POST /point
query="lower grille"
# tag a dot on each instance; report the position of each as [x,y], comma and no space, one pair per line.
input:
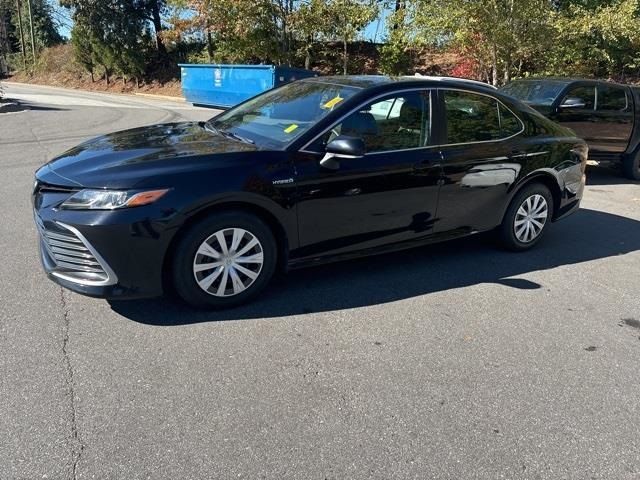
[71,256]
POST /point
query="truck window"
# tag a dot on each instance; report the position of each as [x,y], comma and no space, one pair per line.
[612,98]
[587,95]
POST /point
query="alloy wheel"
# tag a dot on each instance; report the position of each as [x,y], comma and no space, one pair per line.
[531,218]
[228,262]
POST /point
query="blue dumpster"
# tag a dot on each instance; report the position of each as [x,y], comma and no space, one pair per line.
[227,85]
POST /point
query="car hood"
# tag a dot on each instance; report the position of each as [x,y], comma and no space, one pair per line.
[127,158]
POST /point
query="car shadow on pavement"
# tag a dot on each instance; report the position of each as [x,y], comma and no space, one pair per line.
[608,176]
[13,106]
[588,235]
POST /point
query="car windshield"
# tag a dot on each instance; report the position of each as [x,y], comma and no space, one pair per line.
[277,117]
[542,92]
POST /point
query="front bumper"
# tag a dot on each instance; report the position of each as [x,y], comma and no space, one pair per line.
[106,254]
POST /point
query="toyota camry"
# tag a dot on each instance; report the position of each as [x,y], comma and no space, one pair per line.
[314,171]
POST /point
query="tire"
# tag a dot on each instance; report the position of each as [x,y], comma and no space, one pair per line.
[536,200]
[200,263]
[631,166]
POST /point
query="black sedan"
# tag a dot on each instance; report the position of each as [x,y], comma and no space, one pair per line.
[317,170]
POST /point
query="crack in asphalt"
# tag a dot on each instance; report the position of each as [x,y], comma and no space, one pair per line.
[77,446]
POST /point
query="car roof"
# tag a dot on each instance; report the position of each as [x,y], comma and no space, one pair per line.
[368,81]
[568,80]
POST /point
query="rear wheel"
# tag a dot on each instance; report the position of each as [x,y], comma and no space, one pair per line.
[527,217]
[224,260]
[631,166]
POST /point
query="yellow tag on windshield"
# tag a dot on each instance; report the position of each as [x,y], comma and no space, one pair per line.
[290,128]
[333,102]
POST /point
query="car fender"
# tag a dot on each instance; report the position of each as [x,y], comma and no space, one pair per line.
[284,214]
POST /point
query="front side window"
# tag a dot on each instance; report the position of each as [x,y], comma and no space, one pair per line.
[613,99]
[580,98]
[397,122]
[477,118]
[279,116]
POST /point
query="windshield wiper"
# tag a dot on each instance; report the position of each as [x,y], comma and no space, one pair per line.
[227,133]
[236,136]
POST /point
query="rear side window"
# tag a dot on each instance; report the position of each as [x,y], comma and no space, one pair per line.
[612,98]
[477,118]
[509,123]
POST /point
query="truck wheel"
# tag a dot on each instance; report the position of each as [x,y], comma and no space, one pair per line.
[527,218]
[224,260]
[631,166]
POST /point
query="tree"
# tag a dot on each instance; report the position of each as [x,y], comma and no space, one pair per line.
[500,35]
[311,22]
[115,32]
[596,38]
[153,12]
[83,49]
[45,27]
[394,54]
[349,18]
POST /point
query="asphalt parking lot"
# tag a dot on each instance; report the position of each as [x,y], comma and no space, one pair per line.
[454,361]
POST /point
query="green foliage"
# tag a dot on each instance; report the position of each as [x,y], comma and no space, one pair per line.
[45,28]
[500,35]
[82,48]
[597,39]
[394,54]
[270,31]
[110,33]
[493,40]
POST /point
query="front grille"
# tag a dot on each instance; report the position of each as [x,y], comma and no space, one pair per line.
[42,187]
[71,256]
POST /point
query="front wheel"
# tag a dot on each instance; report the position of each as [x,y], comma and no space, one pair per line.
[527,218]
[224,260]
[631,166]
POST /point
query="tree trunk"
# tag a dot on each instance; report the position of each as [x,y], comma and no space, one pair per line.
[307,54]
[33,37]
[209,45]
[106,75]
[157,26]
[307,59]
[92,79]
[345,59]
[24,53]
[398,6]
[508,65]
[494,65]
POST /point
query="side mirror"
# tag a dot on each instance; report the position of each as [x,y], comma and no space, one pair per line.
[573,102]
[342,147]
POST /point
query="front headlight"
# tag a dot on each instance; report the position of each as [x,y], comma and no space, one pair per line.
[111,199]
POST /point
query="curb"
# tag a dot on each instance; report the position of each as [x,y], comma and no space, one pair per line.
[159,97]
[151,96]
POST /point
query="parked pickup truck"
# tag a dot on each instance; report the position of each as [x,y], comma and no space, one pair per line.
[605,114]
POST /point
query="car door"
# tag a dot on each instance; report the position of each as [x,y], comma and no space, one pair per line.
[614,119]
[577,111]
[388,195]
[481,159]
